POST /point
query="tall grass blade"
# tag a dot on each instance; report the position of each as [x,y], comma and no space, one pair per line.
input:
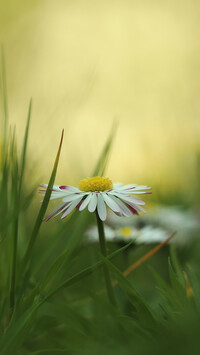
[43,208]
[23,157]
[15,214]
[103,160]
[5,106]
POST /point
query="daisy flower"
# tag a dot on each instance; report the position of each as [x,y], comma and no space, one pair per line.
[97,193]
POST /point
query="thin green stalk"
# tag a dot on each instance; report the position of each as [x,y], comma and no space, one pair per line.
[15,227]
[13,267]
[102,242]
[5,106]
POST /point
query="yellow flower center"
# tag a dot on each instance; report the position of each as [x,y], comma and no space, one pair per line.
[125,231]
[96,183]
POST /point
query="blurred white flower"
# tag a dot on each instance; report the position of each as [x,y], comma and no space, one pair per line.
[145,235]
[166,219]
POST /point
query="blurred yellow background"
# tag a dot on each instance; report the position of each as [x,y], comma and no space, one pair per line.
[85,63]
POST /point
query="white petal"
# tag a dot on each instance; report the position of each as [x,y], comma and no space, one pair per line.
[101,207]
[72,197]
[93,203]
[85,202]
[56,195]
[69,188]
[131,189]
[131,199]
[71,206]
[124,187]
[110,202]
[63,209]
[142,187]
[124,210]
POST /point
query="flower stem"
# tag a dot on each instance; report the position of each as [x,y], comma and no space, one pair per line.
[102,243]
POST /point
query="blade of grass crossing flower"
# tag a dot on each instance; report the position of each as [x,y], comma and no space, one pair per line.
[102,162]
[44,206]
[23,157]
[97,171]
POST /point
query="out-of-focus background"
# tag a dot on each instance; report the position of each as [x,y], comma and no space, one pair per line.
[87,63]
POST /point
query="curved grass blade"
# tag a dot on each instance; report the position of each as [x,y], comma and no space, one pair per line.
[143,309]
[43,208]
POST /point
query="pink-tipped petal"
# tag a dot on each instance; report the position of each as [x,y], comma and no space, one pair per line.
[71,207]
[50,215]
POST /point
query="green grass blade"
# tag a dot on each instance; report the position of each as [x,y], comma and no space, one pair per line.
[176,265]
[15,212]
[73,240]
[23,158]
[136,299]
[85,272]
[5,106]
[102,162]
[177,285]
[15,333]
[195,285]
[43,208]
